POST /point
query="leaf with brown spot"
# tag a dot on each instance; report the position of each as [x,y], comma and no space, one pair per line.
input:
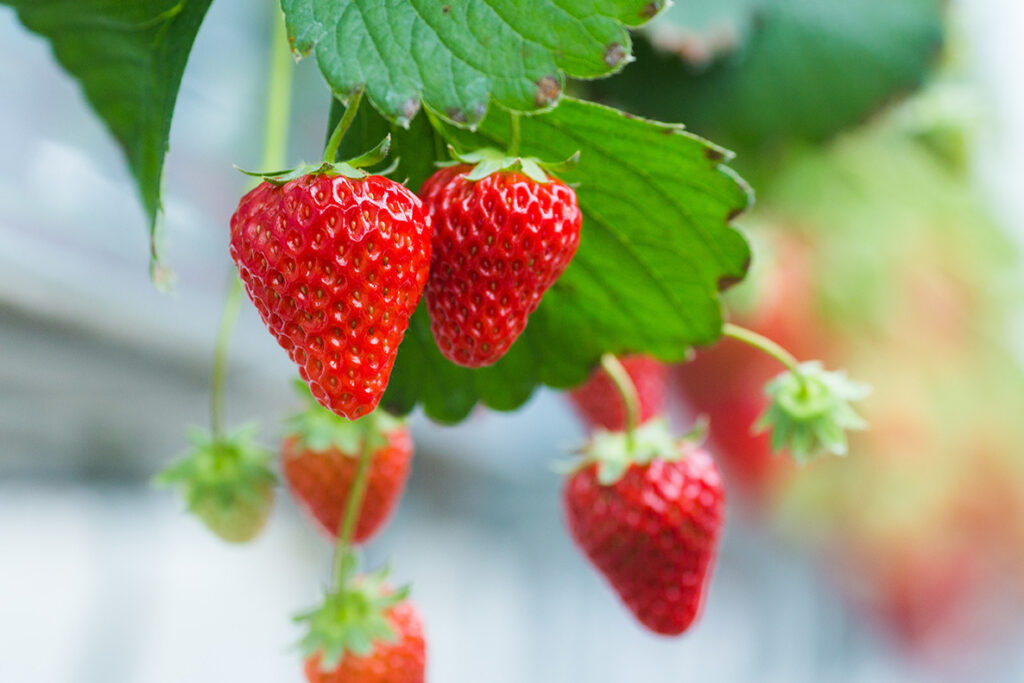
[459,57]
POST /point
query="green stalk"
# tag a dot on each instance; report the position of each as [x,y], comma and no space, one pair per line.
[279,95]
[275,145]
[765,345]
[353,508]
[515,135]
[334,142]
[627,390]
[232,304]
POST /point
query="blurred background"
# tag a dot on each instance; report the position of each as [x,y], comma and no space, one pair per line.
[887,242]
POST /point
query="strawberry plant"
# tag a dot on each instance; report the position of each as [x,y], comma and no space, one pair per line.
[478,225]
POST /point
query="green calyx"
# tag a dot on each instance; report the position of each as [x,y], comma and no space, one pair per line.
[319,429]
[351,620]
[489,160]
[810,411]
[225,474]
[349,169]
[614,453]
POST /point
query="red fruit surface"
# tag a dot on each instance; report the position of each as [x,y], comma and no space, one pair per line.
[499,243]
[653,534]
[335,267]
[402,661]
[321,480]
[599,404]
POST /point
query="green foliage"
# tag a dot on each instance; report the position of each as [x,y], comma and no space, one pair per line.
[129,58]
[799,69]
[656,246]
[655,251]
[457,56]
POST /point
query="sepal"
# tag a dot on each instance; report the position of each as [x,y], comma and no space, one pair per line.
[489,160]
[615,452]
[350,169]
[351,619]
[810,412]
[319,429]
[226,481]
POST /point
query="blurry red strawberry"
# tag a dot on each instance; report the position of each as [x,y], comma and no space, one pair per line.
[502,237]
[599,403]
[364,633]
[649,516]
[320,457]
[925,596]
[335,266]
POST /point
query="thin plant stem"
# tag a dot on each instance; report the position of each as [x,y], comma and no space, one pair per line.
[334,142]
[765,345]
[232,304]
[515,137]
[353,507]
[275,145]
[627,390]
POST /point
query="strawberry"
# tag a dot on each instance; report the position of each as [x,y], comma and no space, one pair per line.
[364,633]
[320,457]
[335,266]
[226,482]
[599,403]
[501,239]
[649,518]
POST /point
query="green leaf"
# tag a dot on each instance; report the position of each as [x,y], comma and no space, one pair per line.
[808,68]
[655,250]
[457,56]
[129,58]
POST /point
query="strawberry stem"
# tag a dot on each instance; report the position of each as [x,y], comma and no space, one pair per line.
[353,508]
[334,142]
[279,90]
[275,143]
[766,345]
[627,390]
[515,136]
[232,304]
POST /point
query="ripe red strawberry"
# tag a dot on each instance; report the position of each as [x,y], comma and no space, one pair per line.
[335,266]
[499,242]
[364,633]
[401,661]
[320,457]
[599,403]
[649,519]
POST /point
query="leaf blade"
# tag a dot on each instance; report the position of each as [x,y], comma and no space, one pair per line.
[458,57]
[655,248]
[129,59]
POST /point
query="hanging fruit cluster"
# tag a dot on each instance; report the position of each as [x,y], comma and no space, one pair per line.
[336,261]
